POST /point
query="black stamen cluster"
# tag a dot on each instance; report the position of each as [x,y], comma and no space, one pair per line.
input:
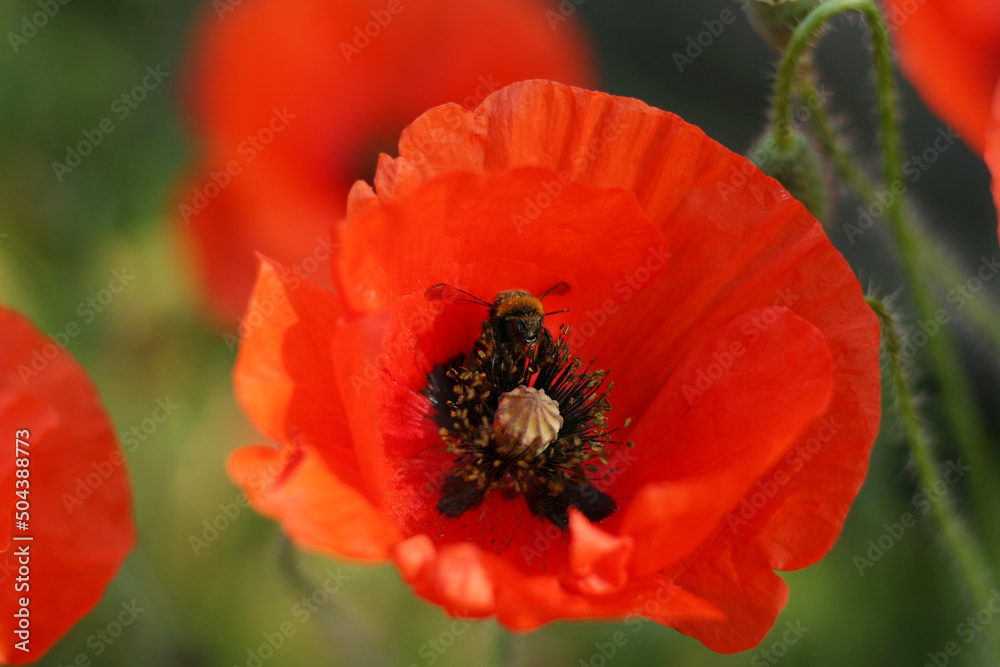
[465,394]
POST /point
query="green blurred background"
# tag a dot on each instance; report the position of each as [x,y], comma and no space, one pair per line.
[60,241]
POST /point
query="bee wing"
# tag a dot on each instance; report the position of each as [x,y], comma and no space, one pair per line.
[558,289]
[451,294]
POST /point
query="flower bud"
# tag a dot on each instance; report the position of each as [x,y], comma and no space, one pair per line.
[776,20]
[796,166]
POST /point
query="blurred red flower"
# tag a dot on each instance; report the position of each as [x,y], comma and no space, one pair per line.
[740,343]
[950,51]
[71,492]
[293,100]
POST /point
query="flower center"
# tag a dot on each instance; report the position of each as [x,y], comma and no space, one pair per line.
[526,422]
[523,420]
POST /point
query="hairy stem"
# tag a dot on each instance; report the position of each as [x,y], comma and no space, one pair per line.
[957,398]
[982,311]
[972,565]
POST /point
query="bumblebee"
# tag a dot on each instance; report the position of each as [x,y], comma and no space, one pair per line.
[469,393]
[516,316]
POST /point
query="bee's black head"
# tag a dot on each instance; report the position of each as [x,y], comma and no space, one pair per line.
[524,328]
[517,317]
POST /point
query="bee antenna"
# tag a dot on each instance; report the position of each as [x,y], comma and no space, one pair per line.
[558,288]
[555,312]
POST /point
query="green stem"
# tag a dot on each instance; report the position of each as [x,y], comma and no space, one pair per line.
[972,565]
[956,395]
[507,648]
[838,154]
[353,641]
[982,311]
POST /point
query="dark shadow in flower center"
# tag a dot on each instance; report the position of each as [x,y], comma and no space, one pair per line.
[523,421]
[384,140]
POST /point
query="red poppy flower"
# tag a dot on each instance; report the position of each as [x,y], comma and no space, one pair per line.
[66,499]
[950,51]
[740,346]
[293,99]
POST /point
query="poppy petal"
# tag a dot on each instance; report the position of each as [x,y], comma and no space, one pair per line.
[284,365]
[734,407]
[950,50]
[439,229]
[598,558]
[229,215]
[750,596]
[79,497]
[314,506]
[490,585]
